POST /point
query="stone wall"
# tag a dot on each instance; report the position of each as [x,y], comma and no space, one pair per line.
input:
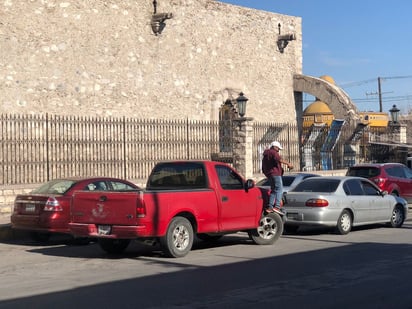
[102,58]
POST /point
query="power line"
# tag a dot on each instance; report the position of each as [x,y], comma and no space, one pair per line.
[353,84]
[379,79]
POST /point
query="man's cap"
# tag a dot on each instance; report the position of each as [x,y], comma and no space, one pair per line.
[276,144]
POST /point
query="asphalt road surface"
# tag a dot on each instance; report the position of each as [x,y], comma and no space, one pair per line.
[368,268]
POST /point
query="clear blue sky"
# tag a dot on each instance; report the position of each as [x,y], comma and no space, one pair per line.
[355,42]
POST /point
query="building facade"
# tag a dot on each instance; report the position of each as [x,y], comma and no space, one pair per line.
[104,58]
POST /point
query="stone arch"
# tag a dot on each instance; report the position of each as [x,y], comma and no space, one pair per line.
[338,101]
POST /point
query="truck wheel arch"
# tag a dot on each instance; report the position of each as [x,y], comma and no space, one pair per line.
[189,216]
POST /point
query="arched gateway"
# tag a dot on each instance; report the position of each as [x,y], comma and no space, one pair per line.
[338,101]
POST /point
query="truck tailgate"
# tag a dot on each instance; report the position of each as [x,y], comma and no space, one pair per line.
[105,207]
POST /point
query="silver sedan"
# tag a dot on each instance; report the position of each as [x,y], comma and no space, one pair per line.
[289,180]
[342,202]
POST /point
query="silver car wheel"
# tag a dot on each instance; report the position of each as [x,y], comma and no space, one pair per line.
[397,218]
[344,224]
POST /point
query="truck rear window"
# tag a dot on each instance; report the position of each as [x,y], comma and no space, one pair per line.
[176,175]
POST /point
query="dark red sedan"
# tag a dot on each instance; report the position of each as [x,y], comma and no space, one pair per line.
[46,210]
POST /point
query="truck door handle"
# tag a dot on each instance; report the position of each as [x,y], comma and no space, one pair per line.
[103,198]
[225,198]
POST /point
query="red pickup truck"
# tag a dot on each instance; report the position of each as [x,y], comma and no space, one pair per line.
[181,199]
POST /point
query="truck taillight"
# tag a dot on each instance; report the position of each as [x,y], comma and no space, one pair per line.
[52,205]
[316,202]
[140,207]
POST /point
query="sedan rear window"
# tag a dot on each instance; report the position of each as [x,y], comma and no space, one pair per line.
[287,180]
[317,184]
[58,186]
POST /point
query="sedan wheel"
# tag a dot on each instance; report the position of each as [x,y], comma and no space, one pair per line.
[397,217]
[344,225]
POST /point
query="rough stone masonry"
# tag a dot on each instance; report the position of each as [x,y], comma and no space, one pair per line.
[102,58]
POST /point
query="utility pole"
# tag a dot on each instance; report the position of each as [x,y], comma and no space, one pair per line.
[380,94]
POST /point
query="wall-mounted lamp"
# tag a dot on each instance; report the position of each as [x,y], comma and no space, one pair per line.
[241,101]
[284,39]
[158,19]
[394,113]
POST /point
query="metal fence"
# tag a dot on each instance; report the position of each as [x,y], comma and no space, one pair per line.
[37,148]
[286,134]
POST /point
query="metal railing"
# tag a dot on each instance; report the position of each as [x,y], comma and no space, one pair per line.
[36,148]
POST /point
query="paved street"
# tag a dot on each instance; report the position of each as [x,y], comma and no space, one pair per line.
[368,268]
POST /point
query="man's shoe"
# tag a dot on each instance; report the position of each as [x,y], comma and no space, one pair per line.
[269,210]
[279,211]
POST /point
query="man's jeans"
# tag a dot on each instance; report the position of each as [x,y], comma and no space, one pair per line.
[276,193]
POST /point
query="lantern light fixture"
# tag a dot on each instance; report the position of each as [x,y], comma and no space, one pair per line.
[394,113]
[241,101]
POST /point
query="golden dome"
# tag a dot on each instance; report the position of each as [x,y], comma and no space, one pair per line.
[328,79]
[317,112]
[317,107]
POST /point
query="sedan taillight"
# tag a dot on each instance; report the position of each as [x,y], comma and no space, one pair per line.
[316,202]
[52,205]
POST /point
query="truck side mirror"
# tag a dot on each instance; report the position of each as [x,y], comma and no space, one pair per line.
[249,184]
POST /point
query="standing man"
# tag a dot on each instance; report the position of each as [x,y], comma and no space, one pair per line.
[272,168]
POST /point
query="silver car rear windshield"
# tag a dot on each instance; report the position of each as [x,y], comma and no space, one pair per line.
[317,185]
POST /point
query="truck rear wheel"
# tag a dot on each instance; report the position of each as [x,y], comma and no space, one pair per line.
[178,240]
[113,246]
[269,230]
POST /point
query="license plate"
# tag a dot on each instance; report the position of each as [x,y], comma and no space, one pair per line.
[292,216]
[30,208]
[104,229]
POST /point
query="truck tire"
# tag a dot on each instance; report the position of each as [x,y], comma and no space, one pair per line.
[269,230]
[178,240]
[113,246]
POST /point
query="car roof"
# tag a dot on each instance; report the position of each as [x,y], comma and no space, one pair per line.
[300,173]
[377,164]
[80,178]
[325,178]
